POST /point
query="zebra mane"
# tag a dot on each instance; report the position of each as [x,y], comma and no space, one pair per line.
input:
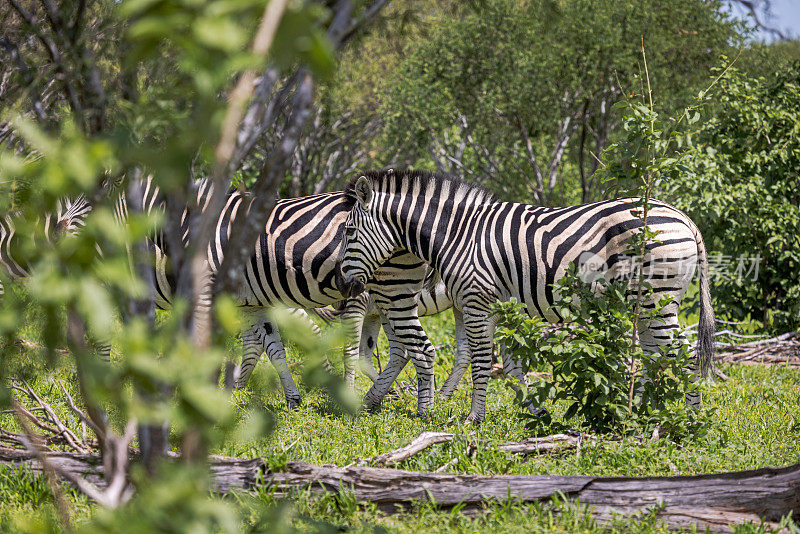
[389,179]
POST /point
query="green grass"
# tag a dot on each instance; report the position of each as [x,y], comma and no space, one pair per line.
[757,423]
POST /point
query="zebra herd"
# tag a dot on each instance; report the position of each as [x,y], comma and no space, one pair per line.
[395,246]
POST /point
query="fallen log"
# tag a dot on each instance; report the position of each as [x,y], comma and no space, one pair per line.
[779,353]
[228,473]
[716,501]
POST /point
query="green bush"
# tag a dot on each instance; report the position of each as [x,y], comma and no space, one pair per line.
[744,194]
[597,368]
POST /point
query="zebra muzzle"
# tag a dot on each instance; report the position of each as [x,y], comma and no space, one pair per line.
[352,287]
[348,285]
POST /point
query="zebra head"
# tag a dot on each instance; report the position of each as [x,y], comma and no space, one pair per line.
[367,241]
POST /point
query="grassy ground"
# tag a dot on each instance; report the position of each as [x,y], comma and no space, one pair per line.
[757,424]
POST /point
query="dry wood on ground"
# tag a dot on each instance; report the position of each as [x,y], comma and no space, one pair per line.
[783,349]
[546,444]
[714,501]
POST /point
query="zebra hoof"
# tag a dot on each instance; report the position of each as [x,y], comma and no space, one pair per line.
[425,414]
[370,406]
[473,419]
[294,403]
[538,412]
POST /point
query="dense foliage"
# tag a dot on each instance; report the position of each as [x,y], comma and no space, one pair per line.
[122,90]
[744,193]
[520,95]
[594,363]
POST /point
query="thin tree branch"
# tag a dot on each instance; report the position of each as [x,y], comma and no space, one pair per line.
[35,446]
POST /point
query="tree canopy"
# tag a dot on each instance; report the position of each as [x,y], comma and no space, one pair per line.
[520,95]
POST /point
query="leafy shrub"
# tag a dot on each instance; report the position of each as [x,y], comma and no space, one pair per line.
[744,194]
[606,378]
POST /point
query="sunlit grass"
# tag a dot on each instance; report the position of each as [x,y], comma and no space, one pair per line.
[756,425]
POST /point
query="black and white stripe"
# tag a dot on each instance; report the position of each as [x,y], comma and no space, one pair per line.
[294,265]
[68,218]
[486,250]
[362,312]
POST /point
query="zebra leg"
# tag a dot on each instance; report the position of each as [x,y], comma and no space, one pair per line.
[300,313]
[397,361]
[103,350]
[370,329]
[401,313]
[276,352]
[479,333]
[462,358]
[365,328]
[353,323]
[252,348]
[513,369]
[231,373]
[662,333]
[263,336]
[423,355]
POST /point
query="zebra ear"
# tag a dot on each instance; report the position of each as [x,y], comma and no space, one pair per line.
[363,191]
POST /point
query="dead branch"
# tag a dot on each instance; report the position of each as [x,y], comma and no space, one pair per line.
[32,345]
[547,444]
[35,446]
[53,426]
[85,420]
[422,442]
[780,350]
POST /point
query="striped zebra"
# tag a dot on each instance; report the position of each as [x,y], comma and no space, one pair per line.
[433,300]
[294,263]
[487,251]
[262,335]
[68,218]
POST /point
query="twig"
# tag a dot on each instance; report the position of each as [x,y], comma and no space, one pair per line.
[422,442]
[60,428]
[246,84]
[32,345]
[546,444]
[446,466]
[34,444]
[85,420]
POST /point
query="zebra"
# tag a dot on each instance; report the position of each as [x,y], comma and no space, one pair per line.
[294,264]
[433,300]
[486,251]
[262,336]
[68,218]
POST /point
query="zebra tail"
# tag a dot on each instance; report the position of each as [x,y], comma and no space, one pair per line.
[706,324]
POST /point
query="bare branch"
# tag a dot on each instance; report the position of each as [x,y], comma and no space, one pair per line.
[547,444]
[241,94]
[369,14]
[35,446]
[246,228]
[753,8]
[82,416]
